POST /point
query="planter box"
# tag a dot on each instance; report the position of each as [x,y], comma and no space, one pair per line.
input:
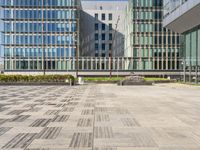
[124,83]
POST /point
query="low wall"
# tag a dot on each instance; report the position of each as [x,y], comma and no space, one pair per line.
[100,73]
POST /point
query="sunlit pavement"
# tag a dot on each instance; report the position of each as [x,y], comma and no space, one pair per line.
[100,117]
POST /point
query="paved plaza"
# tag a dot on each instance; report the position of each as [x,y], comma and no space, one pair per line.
[100,117]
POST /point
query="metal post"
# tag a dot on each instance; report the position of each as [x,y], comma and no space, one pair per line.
[43,48]
[77,50]
[196,75]
[184,71]
[44,64]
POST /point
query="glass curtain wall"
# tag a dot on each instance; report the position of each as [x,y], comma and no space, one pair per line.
[40,34]
[152,46]
[192,51]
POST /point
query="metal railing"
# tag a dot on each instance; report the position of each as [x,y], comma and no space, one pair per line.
[92,63]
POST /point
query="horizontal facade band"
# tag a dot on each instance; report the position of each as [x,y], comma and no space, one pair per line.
[38,19]
[40,7]
[39,45]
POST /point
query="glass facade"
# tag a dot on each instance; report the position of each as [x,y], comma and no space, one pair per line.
[152,46]
[192,48]
[40,34]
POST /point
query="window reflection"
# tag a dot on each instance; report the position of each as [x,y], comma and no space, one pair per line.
[41,28]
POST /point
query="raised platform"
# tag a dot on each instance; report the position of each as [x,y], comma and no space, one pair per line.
[134,80]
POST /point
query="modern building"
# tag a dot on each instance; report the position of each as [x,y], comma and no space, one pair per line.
[99,35]
[183,16]
[151,46]
[72,35]
[40,34]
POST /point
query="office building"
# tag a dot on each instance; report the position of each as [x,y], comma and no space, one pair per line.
[99,35]
[149,45]
[183,16]
[40,34]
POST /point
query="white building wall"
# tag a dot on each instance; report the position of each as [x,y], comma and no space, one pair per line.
[181,15]
[89,9]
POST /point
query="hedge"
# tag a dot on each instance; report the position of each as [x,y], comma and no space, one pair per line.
[36,78]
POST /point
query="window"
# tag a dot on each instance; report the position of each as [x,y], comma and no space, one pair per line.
[103,55]
[103,46]
[96,37]
[160,40]
[169,40]
[96,46]
[156,41]
[103,36]
[110,26]
[103,17]
[173,39]
[109,16]
[103,27]
[110,46]
[160,27]
[110,36]
[96,26]
[96,16]
[96,54]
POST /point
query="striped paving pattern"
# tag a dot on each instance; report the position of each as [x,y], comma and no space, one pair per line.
[49,133]
[81,140]
[22,140]
[99,117]
[4,130]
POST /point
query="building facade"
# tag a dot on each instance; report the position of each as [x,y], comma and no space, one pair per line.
[40,34]
[183,16]
[99,35]
[151,46]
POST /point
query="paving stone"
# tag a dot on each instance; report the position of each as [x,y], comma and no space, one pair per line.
[103,132]
[81,140]
[85,122]
[49,133]
[40,123]
[60,118]
[100,117]
[22,140]
[87,112]
[20,118]
[4,130]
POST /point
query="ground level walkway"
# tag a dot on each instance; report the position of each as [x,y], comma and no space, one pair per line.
[100,117]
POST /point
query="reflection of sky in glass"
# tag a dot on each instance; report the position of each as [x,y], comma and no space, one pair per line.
[32,31]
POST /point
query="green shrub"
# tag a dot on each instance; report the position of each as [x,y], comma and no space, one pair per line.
[94,79]
[36,78]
